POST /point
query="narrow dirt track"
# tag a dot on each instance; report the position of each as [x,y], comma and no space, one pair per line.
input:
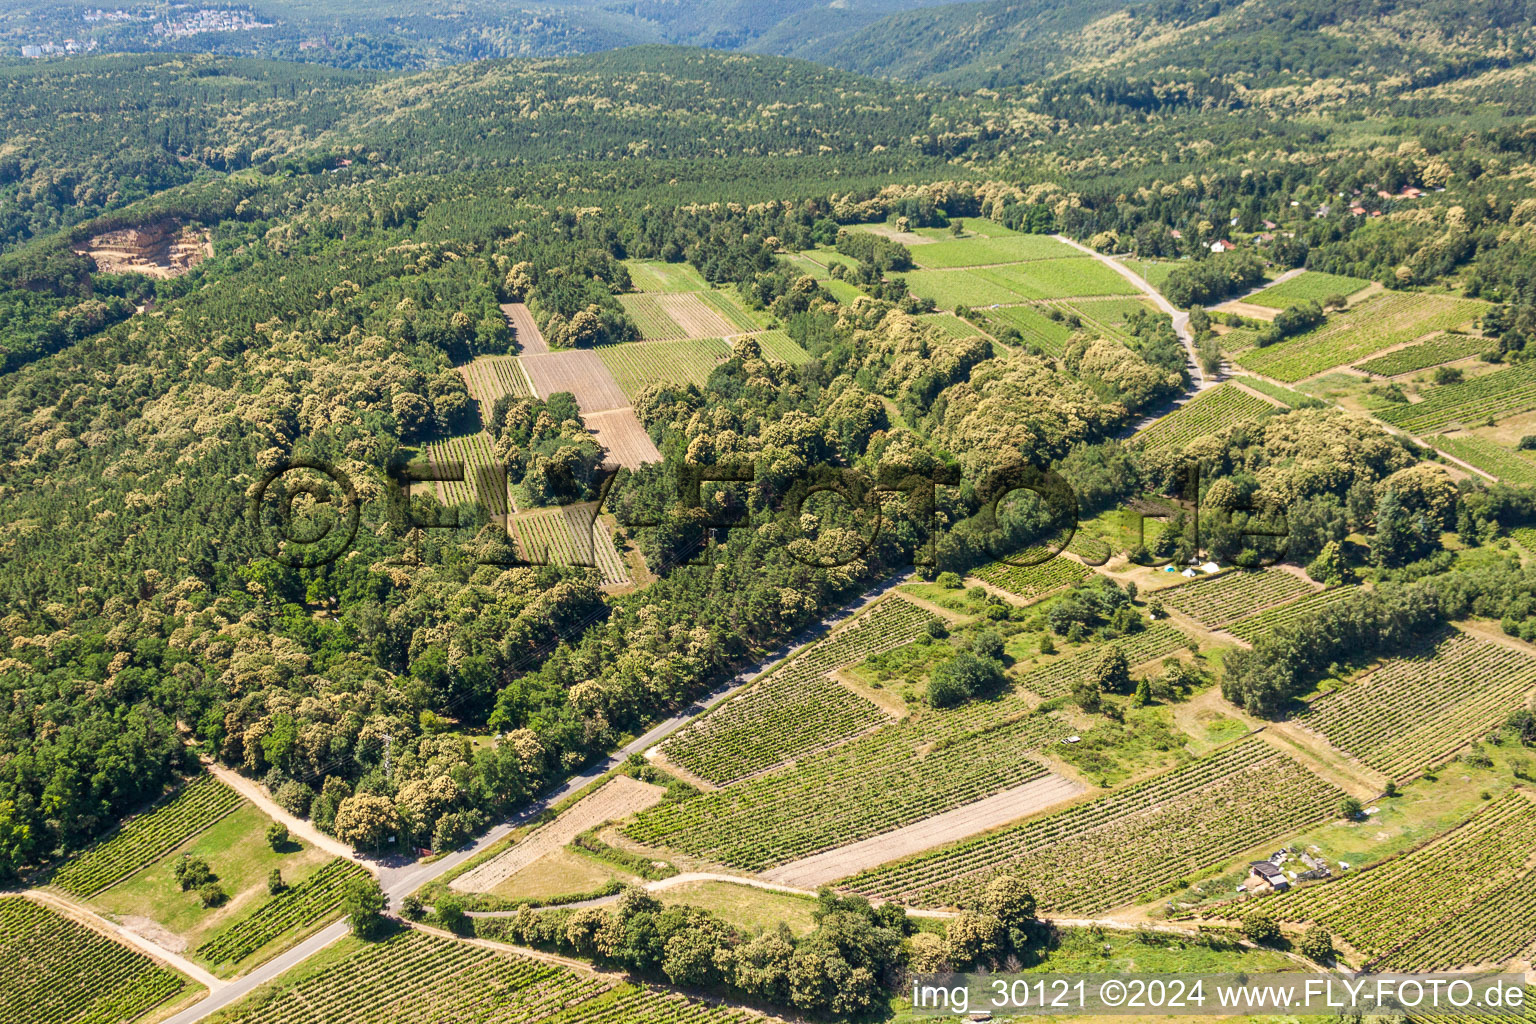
[999,809]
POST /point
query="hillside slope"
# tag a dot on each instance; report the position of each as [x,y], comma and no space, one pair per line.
[1254,45]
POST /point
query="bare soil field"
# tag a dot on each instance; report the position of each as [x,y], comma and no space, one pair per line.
[1009,805]
[904,237]
[695,318]
[529,340]
[1247,309]
[620,432]
[619,797]
[580,372]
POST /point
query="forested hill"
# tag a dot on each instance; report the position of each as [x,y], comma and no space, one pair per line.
[355,34]
[98,133]
[1260,50]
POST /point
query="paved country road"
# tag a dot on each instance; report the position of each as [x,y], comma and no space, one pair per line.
[399,882]
[1180,317]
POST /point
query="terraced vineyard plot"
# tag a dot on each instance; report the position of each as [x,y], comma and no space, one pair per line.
[728,307]
[1059,278]
[294,909]
[654,322]
[415,978]
[666,278]
[145,839]
[1271,619]
[631,1004]
[490,377]
[1416,710]
[904,772]
[60,972]
[1424,910]
[1238,340]
[779,345]
[1032,581]
[842,291]
[978,252]
[1215,601]
[637,365]
[1311,286]
[1106,317]
[551,535]
[952,325]
[1495,930]
[1490,457]
[1056,678]
[1472,402]
[1037,329]
[950,288]
[1205,415]
[797,708]
[1442,348]
[698,318]
[484,479]
[1287,397]
[805,265]
[1376,323]
[1119,847]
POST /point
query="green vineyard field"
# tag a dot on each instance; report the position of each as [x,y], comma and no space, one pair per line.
[1058,278]
[796,708]
[1124,845]
[291,911]
[979,252]
[1490,457]
[550,536]
[1255,626]
[1216,601]
[1438,906]
[1311,286]
[1205,415]
[1033,581]
[1057,677]
[60,972]
[1050,336]
[950,288]
[951,325]
[1472,402]
[637,365]
[1287,397]
[145,839]
[1376,323]
[901,773]
[733,311]
[653,321]
[1419,709]
[484,478]
[490,377]
[779,345]
[1105,317]
[1442,348]
[666,278]
[415,978]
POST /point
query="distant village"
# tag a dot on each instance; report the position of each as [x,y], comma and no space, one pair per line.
[161,24]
